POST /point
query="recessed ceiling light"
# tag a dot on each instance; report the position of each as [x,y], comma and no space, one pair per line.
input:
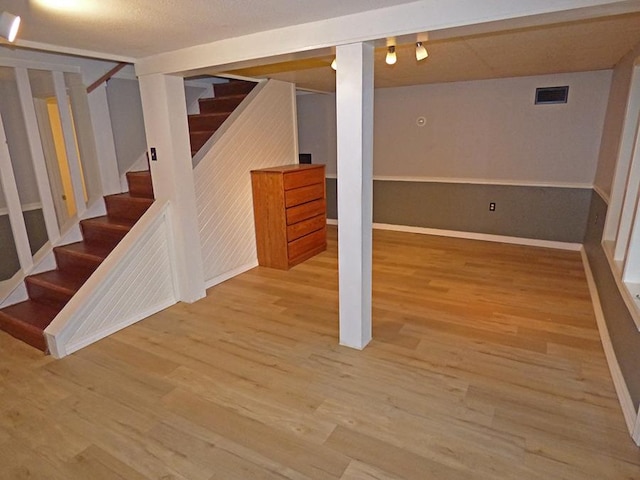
[67,5]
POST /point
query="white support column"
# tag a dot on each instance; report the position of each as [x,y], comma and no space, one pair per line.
[37,155]
[354,108]
[165,118]
[70,142]
[105,146]
[16,219]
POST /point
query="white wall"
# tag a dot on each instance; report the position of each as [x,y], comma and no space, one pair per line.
[481,130]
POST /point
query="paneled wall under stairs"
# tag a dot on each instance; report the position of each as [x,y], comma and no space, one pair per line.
[263,134]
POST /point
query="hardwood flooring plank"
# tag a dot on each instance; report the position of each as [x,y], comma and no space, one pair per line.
[306,457]
[486,363]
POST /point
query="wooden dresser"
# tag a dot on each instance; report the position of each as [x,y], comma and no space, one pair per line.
[289,209]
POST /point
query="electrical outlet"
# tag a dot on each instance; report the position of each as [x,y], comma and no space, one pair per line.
[492,206]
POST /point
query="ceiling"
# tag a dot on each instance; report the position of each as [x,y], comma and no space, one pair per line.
[569,47]
[139,28]
[135,29]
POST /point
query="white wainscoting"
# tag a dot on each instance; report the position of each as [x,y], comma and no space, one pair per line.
[135,281]
[262,134]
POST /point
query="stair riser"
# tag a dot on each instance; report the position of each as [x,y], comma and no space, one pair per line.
[198,139]
[124,207]
[232,88]
[220,104]
[201,123]
[46,295]
[100,235]
[29,335]
[70,262]
[140,186]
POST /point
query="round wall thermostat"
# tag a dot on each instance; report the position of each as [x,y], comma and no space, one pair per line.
[421,121]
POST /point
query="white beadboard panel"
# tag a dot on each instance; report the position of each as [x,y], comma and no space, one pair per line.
[262,135]
[135,281]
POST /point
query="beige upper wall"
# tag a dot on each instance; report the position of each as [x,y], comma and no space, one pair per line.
[614,121]
[486,130]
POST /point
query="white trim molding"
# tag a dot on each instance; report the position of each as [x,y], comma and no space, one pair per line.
[485,237]
[624,397]
[474,181]
[602,194]
[632,303]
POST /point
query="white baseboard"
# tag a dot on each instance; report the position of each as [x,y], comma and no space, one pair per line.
[624,397]
[230,274]
[486,237]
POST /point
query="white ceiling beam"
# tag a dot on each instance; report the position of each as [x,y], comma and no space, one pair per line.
[421,16]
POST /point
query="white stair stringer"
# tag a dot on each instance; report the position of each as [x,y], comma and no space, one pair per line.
[261,134]
[132,283]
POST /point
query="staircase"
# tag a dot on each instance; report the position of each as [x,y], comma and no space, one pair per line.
[214,111]
[50,291]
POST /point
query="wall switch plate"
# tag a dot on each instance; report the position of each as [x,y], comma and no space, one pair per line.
[154,156]
[492,206]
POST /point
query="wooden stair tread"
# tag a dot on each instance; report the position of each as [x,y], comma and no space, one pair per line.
[140,174]
[209,115]
[111,223]
[27,321]
[59,280]
[93,251]
[31,313]
[133,198]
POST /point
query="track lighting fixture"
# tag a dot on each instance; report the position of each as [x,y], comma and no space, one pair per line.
[421,51]
[9,26]
[391,55]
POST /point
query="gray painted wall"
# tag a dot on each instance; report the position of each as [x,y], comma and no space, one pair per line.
[622,329]
[36,229]
[487,131]
[544,213]
[127,123]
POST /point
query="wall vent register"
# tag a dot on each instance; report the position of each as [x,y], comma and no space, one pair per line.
[552,95]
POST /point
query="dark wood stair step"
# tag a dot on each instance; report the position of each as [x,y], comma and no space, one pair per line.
[124,205]
[27,321]
[105,230]
[55,287]
[80,256]
[226,104]
[198,139]
[140,184]
[234,87]
[207,122]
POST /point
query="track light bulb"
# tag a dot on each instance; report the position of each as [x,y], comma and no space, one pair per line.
[421,51]
[9,25]
[334,65]
[391,55]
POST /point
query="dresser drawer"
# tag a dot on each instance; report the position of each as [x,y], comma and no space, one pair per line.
[305,211]
[303,194]
[305,227]
[302,178]
[309,243]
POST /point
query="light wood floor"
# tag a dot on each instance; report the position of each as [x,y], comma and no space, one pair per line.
[486,364]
